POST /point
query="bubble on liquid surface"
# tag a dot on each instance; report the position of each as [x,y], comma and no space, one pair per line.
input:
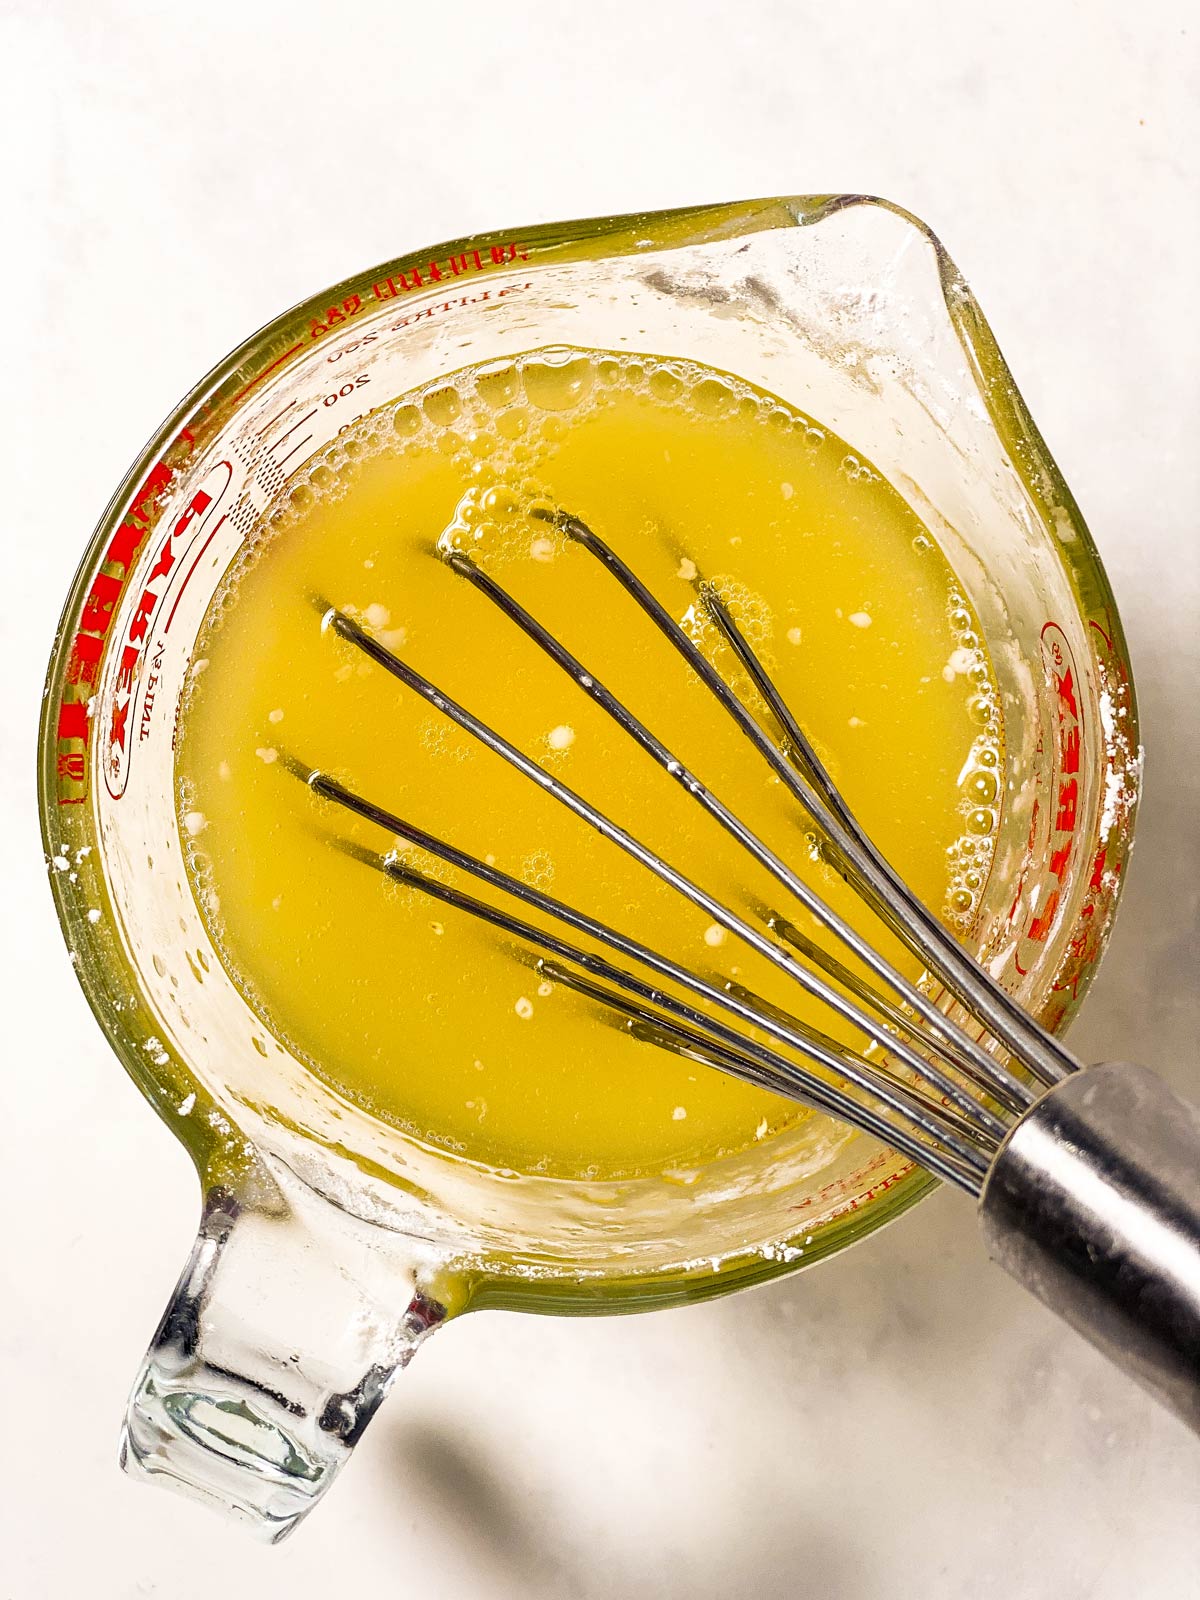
[665,385]
[443,406]
[982,786]
[499,386]
[502,500]
[970,857]
[537,869]
[512,425]
[407,421]
[752,615]
[558,385]
[712,397]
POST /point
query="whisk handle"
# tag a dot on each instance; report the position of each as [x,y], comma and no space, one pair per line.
[1093,1204]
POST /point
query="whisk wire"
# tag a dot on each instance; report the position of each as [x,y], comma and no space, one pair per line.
[930,1115]
[874,1029]
[780,1075]
[984,1065]
[663,1031]
[891,1013]
[908,919]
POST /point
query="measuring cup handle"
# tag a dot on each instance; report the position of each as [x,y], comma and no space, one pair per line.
[282,1337]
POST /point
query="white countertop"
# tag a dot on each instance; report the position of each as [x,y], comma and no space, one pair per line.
[901,1421]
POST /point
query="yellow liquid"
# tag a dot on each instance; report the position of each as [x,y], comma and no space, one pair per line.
[417,1011]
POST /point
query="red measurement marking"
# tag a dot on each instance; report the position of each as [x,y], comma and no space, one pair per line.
[294,426]
[840,1187]
[83,661]
[1062,814]
[485,259]
[1107,637]
[307,439]
[112,572]
[130,688]
[1063,828]
[267,426]
[254,382]
[188,575]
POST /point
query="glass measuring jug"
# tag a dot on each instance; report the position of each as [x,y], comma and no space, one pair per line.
[330,1243]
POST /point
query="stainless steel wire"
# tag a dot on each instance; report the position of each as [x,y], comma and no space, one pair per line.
[932,1089]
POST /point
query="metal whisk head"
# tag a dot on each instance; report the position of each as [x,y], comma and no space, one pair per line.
[936,1094]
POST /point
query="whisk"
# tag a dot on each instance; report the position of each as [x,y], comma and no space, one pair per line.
[1088,1183]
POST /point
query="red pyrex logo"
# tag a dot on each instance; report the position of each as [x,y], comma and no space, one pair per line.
[127,716]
